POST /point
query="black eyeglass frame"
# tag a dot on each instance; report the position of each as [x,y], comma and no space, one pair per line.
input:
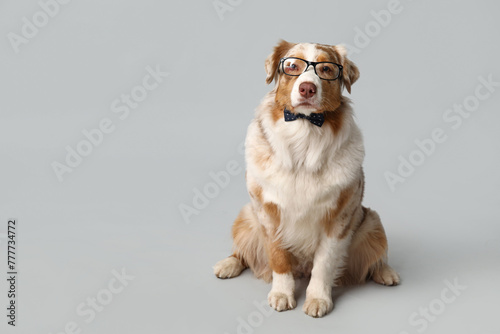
[309,63]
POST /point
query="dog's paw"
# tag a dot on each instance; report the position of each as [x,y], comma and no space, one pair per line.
[228,268]
[386,276]
[317,307]
[280,301]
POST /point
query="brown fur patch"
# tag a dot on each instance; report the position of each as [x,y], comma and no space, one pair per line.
[334,119]
[283,93]
[277,112]
[273,212]
[350,72]
[272,61]
[329,54]
[331,221]
[325,57]
[280,260]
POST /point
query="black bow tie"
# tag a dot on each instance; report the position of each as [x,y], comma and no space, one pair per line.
[315,118]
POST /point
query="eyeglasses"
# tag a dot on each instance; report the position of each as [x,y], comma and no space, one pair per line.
[324,70]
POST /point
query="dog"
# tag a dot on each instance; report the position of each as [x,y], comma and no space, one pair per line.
[304,175]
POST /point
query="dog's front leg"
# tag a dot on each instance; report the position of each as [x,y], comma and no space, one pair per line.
[327,266]
[281,297]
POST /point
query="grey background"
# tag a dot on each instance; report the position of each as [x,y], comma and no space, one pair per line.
[120,207]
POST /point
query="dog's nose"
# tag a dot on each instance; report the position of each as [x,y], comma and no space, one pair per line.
[307,89]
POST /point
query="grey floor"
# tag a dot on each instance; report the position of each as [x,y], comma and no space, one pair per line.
[118,212]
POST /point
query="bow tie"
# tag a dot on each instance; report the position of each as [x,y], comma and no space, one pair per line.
[315,118]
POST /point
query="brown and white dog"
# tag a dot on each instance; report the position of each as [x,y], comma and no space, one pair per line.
[306,185]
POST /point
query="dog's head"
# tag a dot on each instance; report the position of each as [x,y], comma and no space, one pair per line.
[310,77]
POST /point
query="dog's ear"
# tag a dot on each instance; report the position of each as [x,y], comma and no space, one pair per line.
[350,72]
[273,60]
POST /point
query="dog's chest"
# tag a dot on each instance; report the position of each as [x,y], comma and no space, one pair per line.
[309,174]
[304,147]
[308,169]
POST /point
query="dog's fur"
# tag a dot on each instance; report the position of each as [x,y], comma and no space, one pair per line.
[306,186]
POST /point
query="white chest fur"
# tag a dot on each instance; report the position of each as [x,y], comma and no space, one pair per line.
[308,169]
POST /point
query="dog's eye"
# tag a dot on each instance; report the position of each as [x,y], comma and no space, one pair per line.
[328,71]
[294,66]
